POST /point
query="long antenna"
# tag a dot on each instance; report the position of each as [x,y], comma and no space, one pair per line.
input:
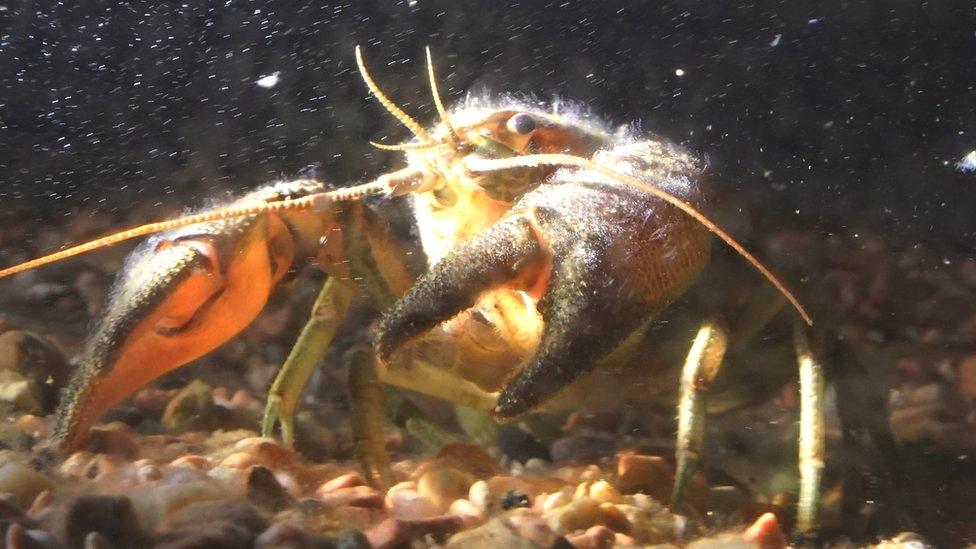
[304,203]
[408,146]
[534,160]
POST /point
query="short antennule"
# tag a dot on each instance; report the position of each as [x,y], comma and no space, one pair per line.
[445,117]
[389,105]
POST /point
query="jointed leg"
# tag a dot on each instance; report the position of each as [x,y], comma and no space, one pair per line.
[367,417]
[701,366]
[413,373]
[327,314]
[811,458]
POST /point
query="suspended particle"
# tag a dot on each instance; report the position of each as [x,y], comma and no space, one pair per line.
[269,81]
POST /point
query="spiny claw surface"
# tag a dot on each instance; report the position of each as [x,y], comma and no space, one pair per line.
[603,257]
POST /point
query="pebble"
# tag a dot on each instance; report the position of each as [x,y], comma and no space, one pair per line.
[408,504]
[95,540]
[286,536]
[597,537]
[35,426]
[531,527]
[264,490]
[213,535]
[479,495]
[18,537]
[76,464]
[146,471]
[22,483]
[766,532]
[350,538]
[354,517]
[497,532]
[604,492]
[464,457]
[112,516]
[260,451]
[471,515]
[199,516]
[182,475]
[652,475]
[41,504]
[442,486]
[9,510]
[547,502]
[354,496]
[347,480]
[488,495]
[724,541]
[648,520]
[152,400]
[966,377]
[192,409]
[20,391]
[114,438]
[230,478]
[290,484]
[156,504]
[394,532]
[14,438]
[578,514]
[37,360]
[201,463]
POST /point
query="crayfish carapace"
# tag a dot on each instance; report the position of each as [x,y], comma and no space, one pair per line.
[551,243]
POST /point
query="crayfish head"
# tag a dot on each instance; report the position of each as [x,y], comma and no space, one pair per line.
[517,131]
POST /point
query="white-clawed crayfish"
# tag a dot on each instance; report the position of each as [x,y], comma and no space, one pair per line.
[551,243]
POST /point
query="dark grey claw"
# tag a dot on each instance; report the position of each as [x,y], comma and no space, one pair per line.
[453,284]
[582,325]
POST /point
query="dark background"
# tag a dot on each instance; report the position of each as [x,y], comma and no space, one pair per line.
[853,121]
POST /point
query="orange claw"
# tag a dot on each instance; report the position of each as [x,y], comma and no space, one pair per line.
[186,294]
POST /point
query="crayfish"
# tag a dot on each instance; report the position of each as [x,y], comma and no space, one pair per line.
[551,244]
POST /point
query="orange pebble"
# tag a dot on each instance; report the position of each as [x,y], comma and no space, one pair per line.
[766,532]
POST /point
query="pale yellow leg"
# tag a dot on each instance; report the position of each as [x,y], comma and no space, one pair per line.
[327,313]
[701,366]
[812,437]
[415,374]
[367,417]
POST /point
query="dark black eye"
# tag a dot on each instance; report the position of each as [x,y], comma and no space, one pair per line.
[522,124]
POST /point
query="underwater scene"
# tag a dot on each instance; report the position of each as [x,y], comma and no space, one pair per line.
[433,273]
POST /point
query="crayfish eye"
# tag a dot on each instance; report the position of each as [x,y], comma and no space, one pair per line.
[521,123]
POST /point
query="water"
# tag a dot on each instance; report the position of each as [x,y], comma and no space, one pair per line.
[838,138]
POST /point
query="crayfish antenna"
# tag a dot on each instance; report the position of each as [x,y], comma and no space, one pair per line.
[535,160]
[388,104]
[304,203]
[445,117]
[407,146]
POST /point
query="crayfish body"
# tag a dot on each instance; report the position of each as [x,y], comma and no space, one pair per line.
[551,244]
